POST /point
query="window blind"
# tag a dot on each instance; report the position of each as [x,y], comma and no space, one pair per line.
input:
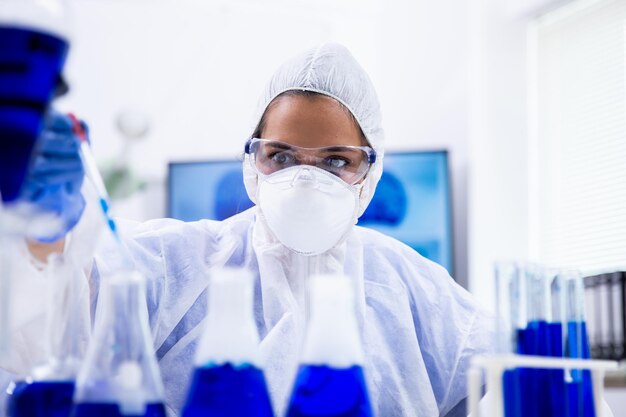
[580,145]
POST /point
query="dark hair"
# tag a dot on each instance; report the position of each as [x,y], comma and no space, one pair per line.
[303,93]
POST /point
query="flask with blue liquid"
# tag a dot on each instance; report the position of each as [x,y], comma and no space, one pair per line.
[228,379]
[48,389]
[120,376]
[33,48]
[330,381]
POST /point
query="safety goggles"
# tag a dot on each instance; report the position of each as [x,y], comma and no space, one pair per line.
[350,163]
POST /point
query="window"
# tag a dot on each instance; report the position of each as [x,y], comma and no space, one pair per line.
[579,170]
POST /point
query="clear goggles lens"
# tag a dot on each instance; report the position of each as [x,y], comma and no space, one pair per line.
[350,163]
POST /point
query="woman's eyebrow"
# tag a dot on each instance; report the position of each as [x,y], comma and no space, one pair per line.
[278,145]
[335,149]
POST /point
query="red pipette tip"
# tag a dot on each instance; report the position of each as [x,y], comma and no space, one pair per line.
[77,127]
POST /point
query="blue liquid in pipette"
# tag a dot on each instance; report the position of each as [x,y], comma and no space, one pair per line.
[322,391]
[580,390]
[30,66]
[227,390]
[41,399]
[113,410]
[110,222]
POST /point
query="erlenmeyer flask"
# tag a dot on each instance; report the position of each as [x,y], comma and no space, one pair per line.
[48,390]
[33,48]
[120,376]
[330,379]
[228,380]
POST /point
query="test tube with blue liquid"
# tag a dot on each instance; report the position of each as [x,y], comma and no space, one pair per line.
[529,302]
[330,381]
[580,392]
[510,317]
[228,379]
[557,333]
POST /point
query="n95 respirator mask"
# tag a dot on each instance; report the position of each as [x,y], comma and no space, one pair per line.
[308,209]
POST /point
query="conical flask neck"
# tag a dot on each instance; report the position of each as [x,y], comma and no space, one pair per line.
[125,310]
[230,334]
[332,336]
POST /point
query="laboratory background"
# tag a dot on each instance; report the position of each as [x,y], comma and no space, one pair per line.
[505,123]
[528,98]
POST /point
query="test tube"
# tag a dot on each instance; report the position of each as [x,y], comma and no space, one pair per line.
[510,316]
[579,387]
[510,322]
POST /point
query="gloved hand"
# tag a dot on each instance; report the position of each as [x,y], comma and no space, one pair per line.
[56,175]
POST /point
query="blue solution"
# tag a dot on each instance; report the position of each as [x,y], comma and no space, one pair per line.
[580,390]
[531,392]
[30,68]
[227,390]
[41,399]
[113,410]
[512,393]
[322,391]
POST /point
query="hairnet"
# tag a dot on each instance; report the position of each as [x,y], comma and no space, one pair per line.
[330,69]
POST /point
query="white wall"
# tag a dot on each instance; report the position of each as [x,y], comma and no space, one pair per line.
[197,67]
[499,201]
[498,186]
[424,92]
[450,74]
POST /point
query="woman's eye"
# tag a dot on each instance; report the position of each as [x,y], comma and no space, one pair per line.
[282,158]
[336,162]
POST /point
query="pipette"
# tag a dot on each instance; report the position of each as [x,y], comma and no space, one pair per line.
[91,169]
[89,163]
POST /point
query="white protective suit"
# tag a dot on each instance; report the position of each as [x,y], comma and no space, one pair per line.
[419,328]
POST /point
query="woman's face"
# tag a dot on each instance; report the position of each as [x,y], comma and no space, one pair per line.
[311,122]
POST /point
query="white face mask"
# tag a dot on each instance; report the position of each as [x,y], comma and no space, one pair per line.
[308,209]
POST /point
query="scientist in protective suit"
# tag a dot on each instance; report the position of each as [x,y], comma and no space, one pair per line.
[311,167]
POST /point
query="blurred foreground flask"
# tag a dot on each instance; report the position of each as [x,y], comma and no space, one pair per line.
[48,390]
[228,379]
[120,376]
[330,380]
[33,48]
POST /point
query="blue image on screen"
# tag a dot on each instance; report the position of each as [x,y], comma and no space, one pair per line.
[411,203]
[206,190]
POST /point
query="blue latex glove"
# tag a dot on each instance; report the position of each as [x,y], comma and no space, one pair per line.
[56,175]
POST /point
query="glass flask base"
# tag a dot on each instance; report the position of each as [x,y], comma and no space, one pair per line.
[322,391]
[41,399]
[228,390]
